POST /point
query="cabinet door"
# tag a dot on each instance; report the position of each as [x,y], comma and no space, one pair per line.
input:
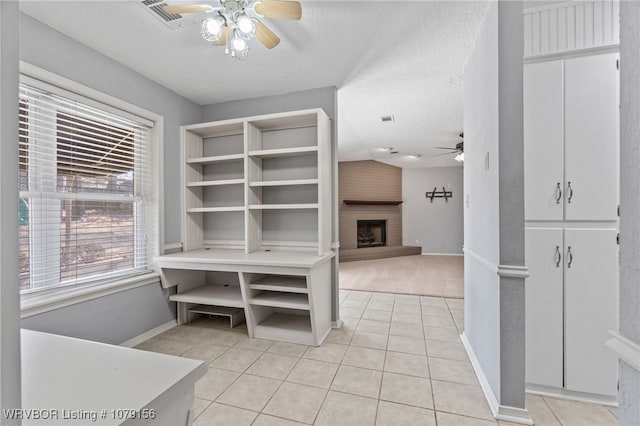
[543,306]
[591,310]
[543,138]
[591,138]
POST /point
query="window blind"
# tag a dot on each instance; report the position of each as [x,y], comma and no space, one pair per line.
[82,185]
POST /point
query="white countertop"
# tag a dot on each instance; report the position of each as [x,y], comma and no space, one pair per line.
[82,377]
[284,258]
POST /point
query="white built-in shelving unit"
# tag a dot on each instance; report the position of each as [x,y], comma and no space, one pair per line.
[257,224]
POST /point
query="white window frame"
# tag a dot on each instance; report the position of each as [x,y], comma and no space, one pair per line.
[59,296]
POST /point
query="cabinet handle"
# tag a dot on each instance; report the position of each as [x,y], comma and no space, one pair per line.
[570,257]
[570,189]
[559,257]
[558,193]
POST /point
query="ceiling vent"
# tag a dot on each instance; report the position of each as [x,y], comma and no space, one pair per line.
[387,118]
[173,21]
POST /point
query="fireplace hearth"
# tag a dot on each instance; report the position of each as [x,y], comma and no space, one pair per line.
[372,233]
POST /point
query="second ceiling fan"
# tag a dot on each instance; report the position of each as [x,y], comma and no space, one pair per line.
[233,23]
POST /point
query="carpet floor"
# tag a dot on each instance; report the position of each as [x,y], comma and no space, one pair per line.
[424,275]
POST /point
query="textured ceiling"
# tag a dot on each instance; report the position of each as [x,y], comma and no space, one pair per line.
[398,58]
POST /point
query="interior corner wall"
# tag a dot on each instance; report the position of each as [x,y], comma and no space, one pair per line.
[629,392]
[438,226]
[124,315]
[481,204]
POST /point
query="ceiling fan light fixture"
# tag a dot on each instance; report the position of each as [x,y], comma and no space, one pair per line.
[237,46]
[245,25]
[212,28]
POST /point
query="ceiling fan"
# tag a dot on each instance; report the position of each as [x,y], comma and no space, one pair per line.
[458,149]
[233,23]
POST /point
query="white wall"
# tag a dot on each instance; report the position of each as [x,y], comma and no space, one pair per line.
[494,211]
[437,226]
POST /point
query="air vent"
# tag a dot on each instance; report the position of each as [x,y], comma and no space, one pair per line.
[387,118]
[173,21]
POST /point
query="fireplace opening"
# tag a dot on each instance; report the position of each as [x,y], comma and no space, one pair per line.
[372,233]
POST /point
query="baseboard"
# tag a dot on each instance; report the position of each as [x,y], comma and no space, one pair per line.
[442,254]
[336,324]
[149,334]
[500,412]
[589,398]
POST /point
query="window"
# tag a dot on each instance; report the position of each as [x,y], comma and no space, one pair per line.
[84,189]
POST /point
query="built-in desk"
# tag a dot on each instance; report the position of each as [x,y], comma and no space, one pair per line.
[71,381]
[285,294]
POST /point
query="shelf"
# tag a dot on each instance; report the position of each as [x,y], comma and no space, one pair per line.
[285,182]
[284,152]
[287,284]
[214,310]
[281,300]
[282,206]
[217,182]
[286,328]
[215,209]
[213,294]
[215,159]
[371,203]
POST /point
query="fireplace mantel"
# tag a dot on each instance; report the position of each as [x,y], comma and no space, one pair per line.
[371,203]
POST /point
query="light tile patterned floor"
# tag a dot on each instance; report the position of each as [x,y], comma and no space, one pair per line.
[397,360]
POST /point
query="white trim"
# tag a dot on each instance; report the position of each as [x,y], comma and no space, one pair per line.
[35,303]
[486,262]
[442,254]
[627,350]
[560,393]
[56,80]
[499,412]
[135,341]
[172,246]
[510,271]
[513,271]
[336,324]
[576,53]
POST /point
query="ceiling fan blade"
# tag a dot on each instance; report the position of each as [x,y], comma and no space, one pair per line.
[266,36]
[222,41]
[280,9]
[188,8]
[443,147]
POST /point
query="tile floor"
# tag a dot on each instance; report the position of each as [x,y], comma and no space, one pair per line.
[397,360]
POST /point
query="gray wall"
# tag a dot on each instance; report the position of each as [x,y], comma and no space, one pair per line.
[324,98]
[494,204]
[629,394]
[437,226]
[9,297]
[119,317]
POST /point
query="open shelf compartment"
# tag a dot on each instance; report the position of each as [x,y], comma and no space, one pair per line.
[211,294]
[281,283]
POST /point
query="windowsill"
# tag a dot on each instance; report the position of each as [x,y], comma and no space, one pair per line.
[35,304]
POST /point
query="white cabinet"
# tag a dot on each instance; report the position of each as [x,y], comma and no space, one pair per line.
[571,139]
[591,138]
[257,225]
[258,183]
[571,304]
[544,306]
[591,310]
[571,197]
[543,135]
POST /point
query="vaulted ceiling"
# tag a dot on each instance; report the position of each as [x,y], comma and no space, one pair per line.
[399,58]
